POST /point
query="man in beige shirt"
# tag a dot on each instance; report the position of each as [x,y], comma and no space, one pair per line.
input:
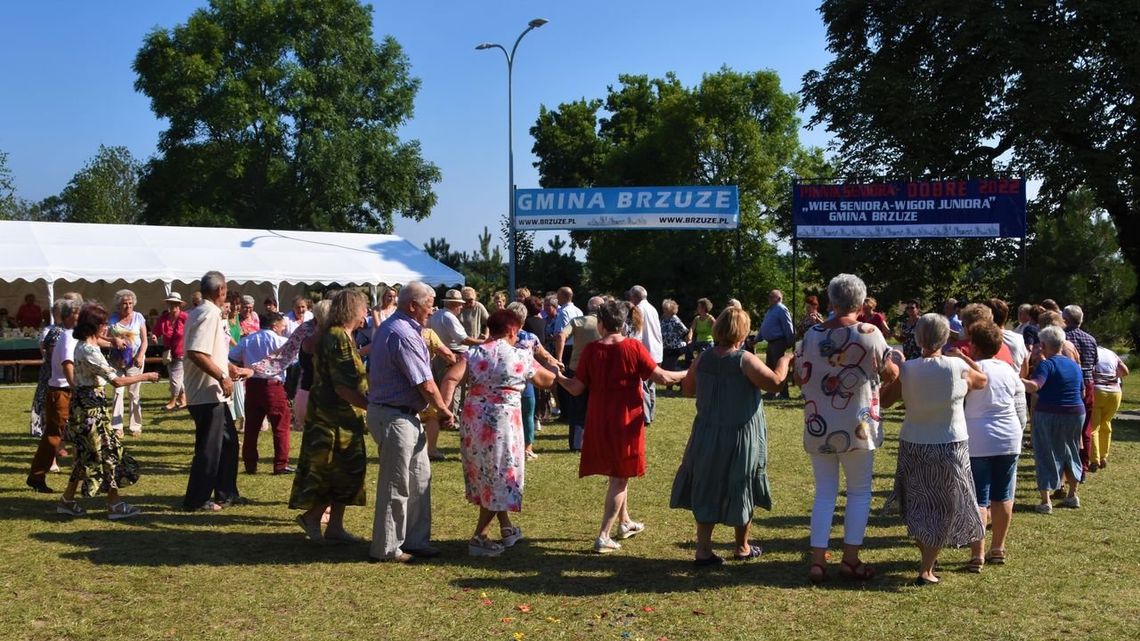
[209,382]
[580,331]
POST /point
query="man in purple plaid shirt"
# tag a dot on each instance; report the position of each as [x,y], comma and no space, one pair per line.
[1086,348]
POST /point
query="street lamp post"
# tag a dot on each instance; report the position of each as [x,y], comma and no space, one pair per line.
[533,24]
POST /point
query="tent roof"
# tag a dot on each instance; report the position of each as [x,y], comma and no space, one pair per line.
[77,251]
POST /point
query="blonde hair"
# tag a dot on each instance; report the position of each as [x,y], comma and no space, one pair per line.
[321,313]
[636,321]
[669,306]
[346,305]
[1050,318]
[731,327]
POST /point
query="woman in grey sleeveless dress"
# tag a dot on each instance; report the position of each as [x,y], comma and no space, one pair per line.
[723,475]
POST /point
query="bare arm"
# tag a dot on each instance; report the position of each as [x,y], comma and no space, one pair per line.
[69,372]
[572,385]
[543,378]
[140,358]
[352,396]
[559,346]
[123,381]
[450,382]
[1121,369]
[546,358]
[759,375]
[689,384]
[431,394]
[975,378]
[663,377]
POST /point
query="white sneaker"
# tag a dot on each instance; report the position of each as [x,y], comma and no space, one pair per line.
[531,455]
[538,426]
[1043,508]
[631,529]
[54,467]
[511,535]
[482,546]
[605,545]
[1073,501]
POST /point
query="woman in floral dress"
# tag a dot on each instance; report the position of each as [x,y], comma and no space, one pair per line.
[491,429]
[100,464]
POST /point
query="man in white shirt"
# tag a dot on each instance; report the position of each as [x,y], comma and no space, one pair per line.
[651,338]
[445,323]
[209,383]
[264,395]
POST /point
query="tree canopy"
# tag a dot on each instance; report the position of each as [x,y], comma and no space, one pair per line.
[282,113]
[1044,88]
[733,128]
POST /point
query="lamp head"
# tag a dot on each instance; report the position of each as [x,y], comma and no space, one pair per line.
[537,22]
[483,45]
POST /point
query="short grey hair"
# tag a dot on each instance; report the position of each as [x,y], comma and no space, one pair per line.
[321,313]
[846,293]
[64,307]
[416,291]
[212,283]
[518,309]
[1073,314]
[931,332]
[613,315]
[248,300]
[594,304]
[638,292]
[1053,337]
[123,294]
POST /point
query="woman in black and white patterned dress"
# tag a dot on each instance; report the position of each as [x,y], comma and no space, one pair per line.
[933,481]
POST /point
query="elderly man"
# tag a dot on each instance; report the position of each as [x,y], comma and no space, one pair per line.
[582,330]
[779,332]
[209,384]
[446,324]
[57,404]
[473,315]
[400,385]
[651,338]
[1086,346]
[264,394]
[950,311]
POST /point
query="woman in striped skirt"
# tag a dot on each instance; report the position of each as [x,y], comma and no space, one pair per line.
[933,479]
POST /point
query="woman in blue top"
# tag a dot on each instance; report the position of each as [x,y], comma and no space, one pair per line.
[528,340]
[1057,421]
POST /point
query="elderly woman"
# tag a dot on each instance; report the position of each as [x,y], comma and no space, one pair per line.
[529,341]
[905,333]
[840,365]
[491,428]
[100,463]
[171,328]
[674,335]
[933,479]
[128,337]
[994,432]
[1106,387]
[723,475]
[330,469]
[700,330]
[812,317]
[248,320]
[1057,420]
[613,445]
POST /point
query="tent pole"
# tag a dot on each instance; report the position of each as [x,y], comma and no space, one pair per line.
[50,293]
[375,300]
[276,289]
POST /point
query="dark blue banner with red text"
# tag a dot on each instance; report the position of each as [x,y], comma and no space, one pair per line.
[979,208]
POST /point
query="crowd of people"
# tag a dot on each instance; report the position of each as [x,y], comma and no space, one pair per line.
[405,369]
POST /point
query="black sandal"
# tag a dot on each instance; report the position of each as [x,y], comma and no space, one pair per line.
[711,561]
[754,551]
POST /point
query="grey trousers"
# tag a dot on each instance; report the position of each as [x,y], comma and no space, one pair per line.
[403,491]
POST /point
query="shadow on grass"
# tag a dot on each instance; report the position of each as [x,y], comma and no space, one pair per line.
[555,572]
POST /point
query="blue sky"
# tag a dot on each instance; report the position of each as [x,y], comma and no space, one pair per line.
[68,86]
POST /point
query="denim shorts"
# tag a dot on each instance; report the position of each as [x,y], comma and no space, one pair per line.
[994,477]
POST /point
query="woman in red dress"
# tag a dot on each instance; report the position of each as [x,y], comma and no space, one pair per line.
[612,368]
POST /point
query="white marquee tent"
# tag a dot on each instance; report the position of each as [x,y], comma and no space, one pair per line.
[48,259]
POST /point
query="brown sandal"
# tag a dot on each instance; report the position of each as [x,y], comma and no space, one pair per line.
[996,557]
[817,578]
[975,565]
[859,571]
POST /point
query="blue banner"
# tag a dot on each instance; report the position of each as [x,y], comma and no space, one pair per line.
[628,208]
[980,208]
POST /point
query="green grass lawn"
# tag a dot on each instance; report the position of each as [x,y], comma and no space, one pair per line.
[248,573]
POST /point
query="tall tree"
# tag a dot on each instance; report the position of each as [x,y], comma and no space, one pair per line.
[281,113]
[7,188]
[732,128]
[105,190]
[551,267]
[1047,88]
